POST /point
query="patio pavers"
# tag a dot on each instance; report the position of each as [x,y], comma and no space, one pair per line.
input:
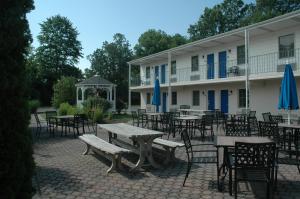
[64,172]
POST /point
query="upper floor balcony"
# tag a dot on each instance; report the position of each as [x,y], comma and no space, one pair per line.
[259,66]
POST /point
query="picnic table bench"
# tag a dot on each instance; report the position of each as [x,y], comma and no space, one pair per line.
[107,149]
[169,146]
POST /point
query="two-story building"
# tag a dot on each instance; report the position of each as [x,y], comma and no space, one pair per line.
[217,72]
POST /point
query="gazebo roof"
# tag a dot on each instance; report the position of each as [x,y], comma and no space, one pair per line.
[96,80]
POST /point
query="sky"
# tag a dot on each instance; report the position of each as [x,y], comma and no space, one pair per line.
[98,20]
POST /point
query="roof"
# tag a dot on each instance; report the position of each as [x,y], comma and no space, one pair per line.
[96,80]
[270,25]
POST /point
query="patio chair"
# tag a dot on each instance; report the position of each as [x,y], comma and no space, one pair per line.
[52,122]
[165,123]
[269,129]
[89,120]
[135,119]
[237,127]
[253,162]
[276,118]
[252,114]
[39,124]
[206,125]
[253,125]
[76,123]
[266,116]
[142,118]
[190,151]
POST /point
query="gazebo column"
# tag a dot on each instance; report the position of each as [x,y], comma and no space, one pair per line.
[115,98]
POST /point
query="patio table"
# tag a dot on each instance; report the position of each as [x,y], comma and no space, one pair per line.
[229,141]
[189,121]
[65,121]
[292,136]
[192,110]
[144,138]
[154,119]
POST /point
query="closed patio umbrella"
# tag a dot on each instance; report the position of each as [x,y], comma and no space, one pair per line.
[156,95]
[288,99]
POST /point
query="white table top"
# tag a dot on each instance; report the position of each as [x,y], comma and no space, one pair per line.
[64,116]
[152,114]
[188,117]
[285,125]
[129,130]
[193,110]
[229,141]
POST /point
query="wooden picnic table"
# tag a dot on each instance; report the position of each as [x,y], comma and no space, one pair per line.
[144,138]
[226,142]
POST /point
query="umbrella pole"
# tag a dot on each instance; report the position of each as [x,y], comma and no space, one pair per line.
[289,117]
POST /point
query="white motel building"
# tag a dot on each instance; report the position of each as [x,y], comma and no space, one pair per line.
[217,72]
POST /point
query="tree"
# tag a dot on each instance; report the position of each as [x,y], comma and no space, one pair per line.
[64,91]
[153,41]
[58,52]
[110,62]
[218,19]
[16,162]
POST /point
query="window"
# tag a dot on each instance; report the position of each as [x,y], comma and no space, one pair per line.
[242,98]
[196,98]
[174,98]
[195,63]
[173,68]
[148,100]
[147,72]
[240,54]
[286,46]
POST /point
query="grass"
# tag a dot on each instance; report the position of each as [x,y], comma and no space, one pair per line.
[118,118]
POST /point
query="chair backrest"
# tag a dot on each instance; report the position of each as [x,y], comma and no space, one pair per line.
[141,111]
[187,144]
[207,120]
[252,113]
[134,115]
[266,116]
[37,119]
[237,128]
[276,118]
[255,155]
[268,129]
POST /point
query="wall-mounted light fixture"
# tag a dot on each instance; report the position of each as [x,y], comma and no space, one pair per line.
[203,56]
[229,50]
[230,92]
[203,93]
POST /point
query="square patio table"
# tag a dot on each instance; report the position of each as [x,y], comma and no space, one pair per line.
[144,137]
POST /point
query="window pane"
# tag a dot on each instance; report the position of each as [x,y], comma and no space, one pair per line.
[241,54]
[196,98]
[173,68]
[195,63]
[148,72]
[174,98]
[286,46]
[242,98]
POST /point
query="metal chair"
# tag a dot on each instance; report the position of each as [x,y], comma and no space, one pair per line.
[253,162]
[52,122]
[212,159]
[206,125]
[135,119]
[237,127]
[276,118]
[266,116]
[39,124]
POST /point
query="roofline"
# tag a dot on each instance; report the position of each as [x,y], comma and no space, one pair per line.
[95,84]
[221,35]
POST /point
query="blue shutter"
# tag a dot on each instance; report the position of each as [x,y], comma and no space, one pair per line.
[222,64]
[163,74]
[224,101]
[210,66]
[211,99]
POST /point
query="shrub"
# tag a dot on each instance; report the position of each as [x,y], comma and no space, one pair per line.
[67,109]
[64,91]
[109,116]
[16,161]
[33,105]
[93,103]
[120,106]
[98,115]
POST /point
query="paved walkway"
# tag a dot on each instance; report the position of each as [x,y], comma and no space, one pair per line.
[64,172]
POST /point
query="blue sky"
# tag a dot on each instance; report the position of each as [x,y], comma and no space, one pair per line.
[98,20]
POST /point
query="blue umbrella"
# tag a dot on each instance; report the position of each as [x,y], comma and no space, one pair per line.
[156,95]
[288,98]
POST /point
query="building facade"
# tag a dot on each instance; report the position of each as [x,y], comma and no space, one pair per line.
[218,72]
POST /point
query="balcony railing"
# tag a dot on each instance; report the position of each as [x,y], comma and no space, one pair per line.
[258,65]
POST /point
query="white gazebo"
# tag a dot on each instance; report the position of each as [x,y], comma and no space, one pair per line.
[96,83]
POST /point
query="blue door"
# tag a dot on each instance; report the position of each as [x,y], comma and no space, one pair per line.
[222,64]
[211,99]
[210,66]
[224,101]
[156,72]
[164,102]
[163,74]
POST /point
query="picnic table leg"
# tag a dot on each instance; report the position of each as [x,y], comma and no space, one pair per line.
[149,153]
[87,149]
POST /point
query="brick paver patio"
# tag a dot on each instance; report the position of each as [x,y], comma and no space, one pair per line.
[63,172]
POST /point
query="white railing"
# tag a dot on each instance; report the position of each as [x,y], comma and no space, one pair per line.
[258,65]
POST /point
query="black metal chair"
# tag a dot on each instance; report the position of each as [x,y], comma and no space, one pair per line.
[135,119]
[253,162]
[206,125]
[252,114]
[190,151]
[236,127]
[142,118]
[276,118]
[76,123]
[52,122]
[39,124]
[266,116]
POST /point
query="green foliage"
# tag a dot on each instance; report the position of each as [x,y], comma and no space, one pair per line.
[16,161]
[93,103]
[33,105]
[110,62]
[58,53]
[67,109]
[98,115]
[232,14]
[153,41]
[110,116]
[64,91]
